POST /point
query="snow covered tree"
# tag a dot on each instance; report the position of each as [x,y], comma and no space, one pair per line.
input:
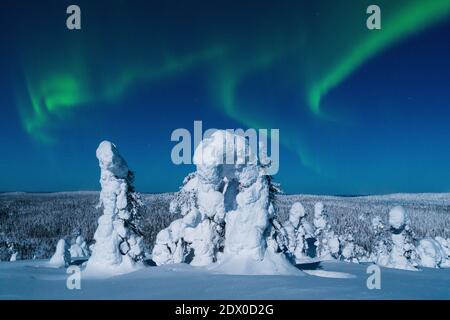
[118,238]
[348,253]
[381,246]
[79,248]
[403,253]
[299,234]
[327,243]
[14,256]
[197,235]
[13,252]
[445,246]
[350,250]
[206,194]
[61,257]
[226,207]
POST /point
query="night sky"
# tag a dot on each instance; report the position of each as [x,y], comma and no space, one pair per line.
[359,111]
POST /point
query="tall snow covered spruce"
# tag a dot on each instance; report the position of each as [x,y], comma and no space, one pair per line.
[226,207]
[118,239]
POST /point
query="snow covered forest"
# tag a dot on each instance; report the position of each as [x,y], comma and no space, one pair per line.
[32,223]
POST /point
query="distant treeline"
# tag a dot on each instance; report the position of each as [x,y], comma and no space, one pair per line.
[31,224]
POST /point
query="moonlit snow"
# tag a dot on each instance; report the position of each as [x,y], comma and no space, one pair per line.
[32,279]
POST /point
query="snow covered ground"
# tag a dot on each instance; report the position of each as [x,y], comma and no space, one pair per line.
[330,280]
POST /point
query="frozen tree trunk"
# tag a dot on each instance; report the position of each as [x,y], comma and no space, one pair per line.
[118,240]
[61,258]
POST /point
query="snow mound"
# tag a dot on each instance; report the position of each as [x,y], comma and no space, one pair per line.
[431,254]
[330,274]
[272,264]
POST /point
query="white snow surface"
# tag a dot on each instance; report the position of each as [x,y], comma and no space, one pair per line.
[271,264]
[33,279]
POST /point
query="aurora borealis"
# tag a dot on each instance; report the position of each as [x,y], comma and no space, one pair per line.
[359,111]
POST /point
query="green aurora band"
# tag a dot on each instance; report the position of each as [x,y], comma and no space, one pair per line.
[323,55]
[412,17]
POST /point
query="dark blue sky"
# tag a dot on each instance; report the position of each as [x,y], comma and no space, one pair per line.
[133,76]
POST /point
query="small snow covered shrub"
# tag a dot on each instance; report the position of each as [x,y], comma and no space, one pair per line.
[327,242]
[350,251]
[300,234]
[61,257]
[12,250]
[445,246]
[381,245]
[14,256]
[431,254]
[118,239]
[79,248]
[403,253]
